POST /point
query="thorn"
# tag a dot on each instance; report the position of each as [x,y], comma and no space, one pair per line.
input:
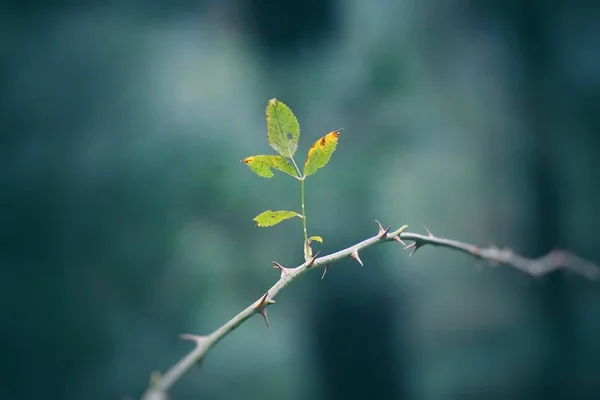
[261,307]
[199,340]
[199,343]
[278,266]
[356,257]
[397,239]
[263,312]
[312,260]
[428,232]
[325,271]
[281,268]
[414,246]
[263,302]
[382,233]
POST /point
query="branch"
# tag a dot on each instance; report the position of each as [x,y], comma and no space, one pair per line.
[537,267]
[556,259]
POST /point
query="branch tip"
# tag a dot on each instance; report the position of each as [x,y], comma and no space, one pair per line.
[354,255]
[401,229]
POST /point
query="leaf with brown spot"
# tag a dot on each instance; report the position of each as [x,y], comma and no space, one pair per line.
[262,165]
[270,218]
[320,152]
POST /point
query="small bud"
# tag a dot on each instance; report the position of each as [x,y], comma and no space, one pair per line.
[356,257]
[155,378]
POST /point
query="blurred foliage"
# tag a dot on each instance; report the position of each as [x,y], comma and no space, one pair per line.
[126,213]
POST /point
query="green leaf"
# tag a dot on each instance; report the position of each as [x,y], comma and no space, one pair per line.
[283,130]
[315,239]
[262,165]
[270,218]
[320,152]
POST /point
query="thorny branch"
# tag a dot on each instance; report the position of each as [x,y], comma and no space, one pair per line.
[556,259]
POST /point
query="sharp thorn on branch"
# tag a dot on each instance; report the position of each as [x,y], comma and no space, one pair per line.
[263,302]
[428,232]
[312,260]
[354,255]
[414,246]
[199,340]
[261,307]
[397,239]
[281,268]
[382,233]
[263,312]
[324,271]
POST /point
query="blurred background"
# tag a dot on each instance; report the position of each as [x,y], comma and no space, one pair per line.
[127,216]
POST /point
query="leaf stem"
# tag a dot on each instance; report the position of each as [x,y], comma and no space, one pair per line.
[297,169]
[301,178]
[307,254]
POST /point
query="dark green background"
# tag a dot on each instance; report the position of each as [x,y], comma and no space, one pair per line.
[126,216]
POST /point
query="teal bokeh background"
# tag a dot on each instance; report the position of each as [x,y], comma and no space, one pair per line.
[127,215]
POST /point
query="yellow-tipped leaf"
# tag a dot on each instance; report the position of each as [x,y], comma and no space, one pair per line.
[262,165]
[320,152]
